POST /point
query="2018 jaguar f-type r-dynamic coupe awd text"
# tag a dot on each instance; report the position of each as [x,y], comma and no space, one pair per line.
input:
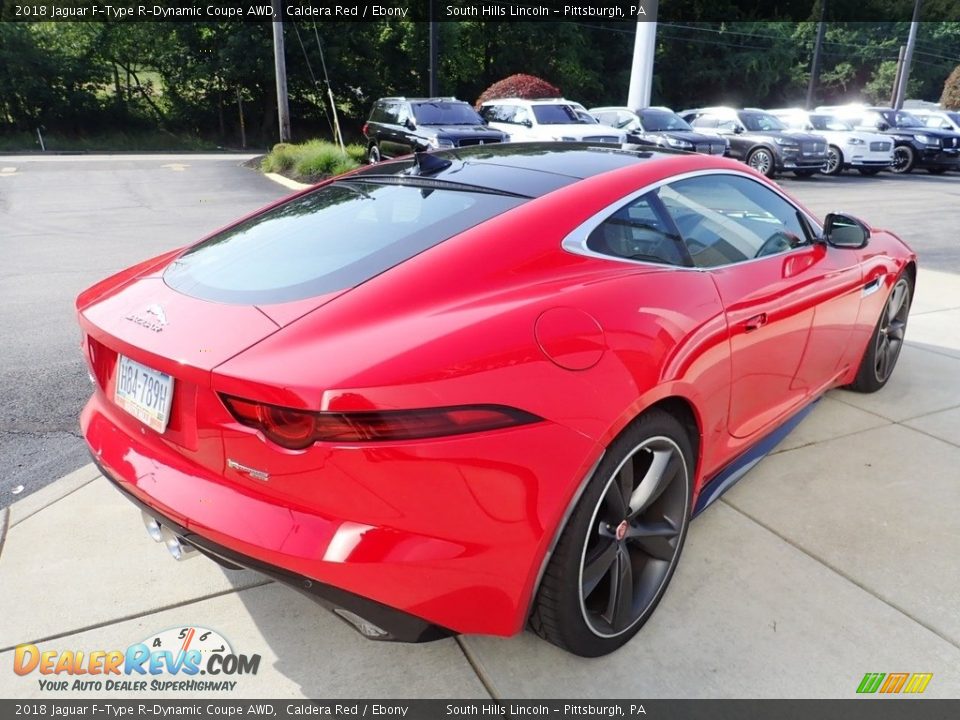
[484,388]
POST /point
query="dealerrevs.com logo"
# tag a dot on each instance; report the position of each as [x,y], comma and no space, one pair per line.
[180,659]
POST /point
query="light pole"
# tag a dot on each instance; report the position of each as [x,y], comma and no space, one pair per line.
[644,50]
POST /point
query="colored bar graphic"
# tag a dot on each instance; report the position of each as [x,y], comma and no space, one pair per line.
[870,682]
[894,683]
[918,682]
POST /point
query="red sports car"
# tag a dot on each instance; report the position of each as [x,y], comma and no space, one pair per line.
[480,388]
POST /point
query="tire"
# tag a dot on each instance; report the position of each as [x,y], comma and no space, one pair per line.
[373,155]
[762,161]
[578,606]
[834,164]
[868,171]
[936,170]
[904,158]
[882,353]
[805,173]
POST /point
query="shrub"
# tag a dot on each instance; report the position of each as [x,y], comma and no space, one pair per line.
[523,86]
[280,159]
[951,91]
[311,161]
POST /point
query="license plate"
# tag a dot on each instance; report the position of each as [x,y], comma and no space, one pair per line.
[144,393]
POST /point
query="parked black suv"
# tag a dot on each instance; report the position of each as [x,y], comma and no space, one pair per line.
[914,144]
[400,126]
[761,141]
[659,126]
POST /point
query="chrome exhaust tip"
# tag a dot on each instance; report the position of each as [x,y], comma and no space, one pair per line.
[152,526]
[178,548]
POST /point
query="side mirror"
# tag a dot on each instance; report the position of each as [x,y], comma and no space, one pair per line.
[883,126]
[527,123]
[410,124]
[737,129]
[845,231]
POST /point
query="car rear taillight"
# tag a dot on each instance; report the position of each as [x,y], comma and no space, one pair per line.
[364,130]
[298,429]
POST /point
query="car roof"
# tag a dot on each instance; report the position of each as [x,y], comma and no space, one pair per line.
[528,169]
[537,101]
[421,99]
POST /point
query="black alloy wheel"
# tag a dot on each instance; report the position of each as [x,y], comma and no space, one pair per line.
[887,340]
[903,160]
[622,543]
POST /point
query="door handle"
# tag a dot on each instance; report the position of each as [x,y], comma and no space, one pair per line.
[871,287]
[757,321]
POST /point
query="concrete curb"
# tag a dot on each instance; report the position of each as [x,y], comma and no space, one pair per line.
[287,182]
[52,493]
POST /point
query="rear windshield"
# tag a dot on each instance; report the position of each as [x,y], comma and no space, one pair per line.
[436,113]
[328,240]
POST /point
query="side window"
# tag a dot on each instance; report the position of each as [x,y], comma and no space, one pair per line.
[499,113]
[726,219]
[390,113]
[639,230]
[403,114]
[705,121]
[607,118]
[522,115]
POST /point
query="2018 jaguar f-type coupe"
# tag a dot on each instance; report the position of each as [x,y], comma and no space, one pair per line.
[483,388]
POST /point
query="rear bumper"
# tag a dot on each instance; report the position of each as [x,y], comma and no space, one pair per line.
[397,626]
[421,539]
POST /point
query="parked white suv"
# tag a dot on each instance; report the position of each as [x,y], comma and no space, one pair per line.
[865,151]
[546,120]
[940,119]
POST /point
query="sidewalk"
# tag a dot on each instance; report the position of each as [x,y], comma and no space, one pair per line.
[836,556]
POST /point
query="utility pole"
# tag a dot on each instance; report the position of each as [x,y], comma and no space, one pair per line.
[908,55]
[644,51]
[817,47]
[434,55]
[280,68]
[896,79]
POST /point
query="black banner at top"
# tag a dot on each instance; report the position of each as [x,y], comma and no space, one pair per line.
[470,10]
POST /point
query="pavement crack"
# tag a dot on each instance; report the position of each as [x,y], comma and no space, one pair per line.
[134,616]
[41,433]
[4,524]
[873,593]
[478,669]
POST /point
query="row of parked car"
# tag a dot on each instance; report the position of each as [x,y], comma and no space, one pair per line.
[828,140]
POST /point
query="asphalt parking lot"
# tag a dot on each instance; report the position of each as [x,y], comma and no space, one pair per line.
[834,557]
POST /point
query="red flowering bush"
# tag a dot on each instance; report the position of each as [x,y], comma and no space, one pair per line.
[523,86]
[951,91]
